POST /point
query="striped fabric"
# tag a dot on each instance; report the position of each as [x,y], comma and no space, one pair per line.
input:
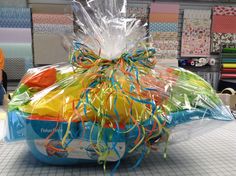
[163,28]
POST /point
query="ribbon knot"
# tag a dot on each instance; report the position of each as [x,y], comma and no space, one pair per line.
[83,57]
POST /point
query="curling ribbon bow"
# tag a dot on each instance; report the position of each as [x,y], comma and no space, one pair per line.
[83,57]
[132,65]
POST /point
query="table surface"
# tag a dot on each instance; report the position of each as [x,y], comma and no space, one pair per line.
[213,153]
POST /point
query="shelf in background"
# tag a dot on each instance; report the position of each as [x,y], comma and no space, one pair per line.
[202,69]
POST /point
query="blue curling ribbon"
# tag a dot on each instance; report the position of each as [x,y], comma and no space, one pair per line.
[140,158]
[114,148]
[115,110]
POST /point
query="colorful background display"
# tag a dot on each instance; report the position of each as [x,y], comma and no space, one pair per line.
[16,40]
[49,30]
[223,26]
[163,28]
[196,33]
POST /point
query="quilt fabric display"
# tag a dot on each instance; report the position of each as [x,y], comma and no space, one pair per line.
[196,33]
[48,31]
[16,40]
[112,100]
[223,26]
[220,38]
[163,28]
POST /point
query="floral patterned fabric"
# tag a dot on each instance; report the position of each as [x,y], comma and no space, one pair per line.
[163,28]
[222,10]
[196,34]
[223,27]
[220,38]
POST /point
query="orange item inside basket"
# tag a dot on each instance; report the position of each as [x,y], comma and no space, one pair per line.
[42,79]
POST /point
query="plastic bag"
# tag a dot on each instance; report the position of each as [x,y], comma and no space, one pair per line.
[112,100]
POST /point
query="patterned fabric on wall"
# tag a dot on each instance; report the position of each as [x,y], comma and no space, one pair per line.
[139,10]
[52,19]
[15,18]
[41,8]
[165,36]
[21,50]
[53,28]
[17,65]
[15,13]
[223,26]
[15,35]
[224,11]
[49,49]
[196,33]
[15,23]
[163,29]
[218,38]
[198,14]
[48,29]
[14,3]
[164,17]
[52,23]
[16,40]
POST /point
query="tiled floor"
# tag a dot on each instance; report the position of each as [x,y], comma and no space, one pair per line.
[213,154]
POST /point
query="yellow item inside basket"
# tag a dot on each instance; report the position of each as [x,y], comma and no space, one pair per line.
[105,102]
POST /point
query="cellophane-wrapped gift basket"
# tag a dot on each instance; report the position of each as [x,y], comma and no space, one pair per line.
[112,99]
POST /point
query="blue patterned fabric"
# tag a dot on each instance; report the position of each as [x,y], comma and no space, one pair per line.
[163,27]
[15,18]
[15,13]
[15,23]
